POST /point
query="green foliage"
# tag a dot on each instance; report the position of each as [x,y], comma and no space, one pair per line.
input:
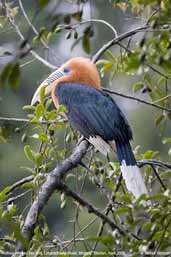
[10,75]
[43,3]
[86,44]
[146,59]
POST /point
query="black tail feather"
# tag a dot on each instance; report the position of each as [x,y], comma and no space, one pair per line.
[124,152]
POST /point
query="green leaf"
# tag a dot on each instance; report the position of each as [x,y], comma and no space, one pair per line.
[63,204]
[39,111]
[147,79]
[68,34]
[43,3]
[43,137]
[4,193]
[48,103]
[14,78]
[159,119]
[137,86]
[57,30]
[62,108]
[42,94]
[29,107]
[106,67]
[29,153]
[149,154]
[106,239]
[169,152]
[38,159]
[5,74]
[101,62]
[147,226]
[122,210]
[24,138]
[110,55]
[4,134]
[166,140]
[36,39]
[161,81]
[86,44]
[133,63]
[158,235]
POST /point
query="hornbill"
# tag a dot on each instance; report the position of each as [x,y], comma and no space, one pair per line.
[77,86]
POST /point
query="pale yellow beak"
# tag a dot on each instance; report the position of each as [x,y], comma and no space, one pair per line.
[47,83]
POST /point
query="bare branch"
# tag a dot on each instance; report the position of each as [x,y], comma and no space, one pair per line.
[158,177]
[11,121]
[136,99]
[163,165]
[18,121]
[20,183]
[11,200]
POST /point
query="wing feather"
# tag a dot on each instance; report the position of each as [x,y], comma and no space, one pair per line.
[93,113]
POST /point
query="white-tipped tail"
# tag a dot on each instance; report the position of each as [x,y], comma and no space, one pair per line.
[134,181]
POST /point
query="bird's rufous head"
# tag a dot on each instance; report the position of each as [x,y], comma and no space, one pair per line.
[78,70]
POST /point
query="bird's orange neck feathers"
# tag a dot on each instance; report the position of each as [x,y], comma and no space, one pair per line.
[83,71]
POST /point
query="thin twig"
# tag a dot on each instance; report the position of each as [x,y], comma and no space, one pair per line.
[90,207]
[38,57]
[18,121]
[136,99]
[30,24]
[83,229]
[27,63]
[152,15]
[11,200]
[161,164]
[162,99]
[158,177]
[75,25]
[20,183]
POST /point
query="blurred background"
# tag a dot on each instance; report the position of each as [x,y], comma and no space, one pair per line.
[32,72]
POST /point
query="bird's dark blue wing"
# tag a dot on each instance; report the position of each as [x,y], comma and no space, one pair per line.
[93,112]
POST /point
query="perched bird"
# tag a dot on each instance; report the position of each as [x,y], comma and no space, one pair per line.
[77,86]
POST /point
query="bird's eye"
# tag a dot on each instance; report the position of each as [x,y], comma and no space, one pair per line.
[67,71]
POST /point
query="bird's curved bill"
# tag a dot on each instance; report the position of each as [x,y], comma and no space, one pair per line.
[48,84]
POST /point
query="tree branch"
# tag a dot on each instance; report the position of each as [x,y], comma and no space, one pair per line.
[90,207]
[18,121]
[158,163]
[136,99]
[52,183]
[13,121]
[31,25]
[117,39]
[20,183]
[38,57]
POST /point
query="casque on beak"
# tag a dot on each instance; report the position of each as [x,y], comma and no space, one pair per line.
[48,84]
